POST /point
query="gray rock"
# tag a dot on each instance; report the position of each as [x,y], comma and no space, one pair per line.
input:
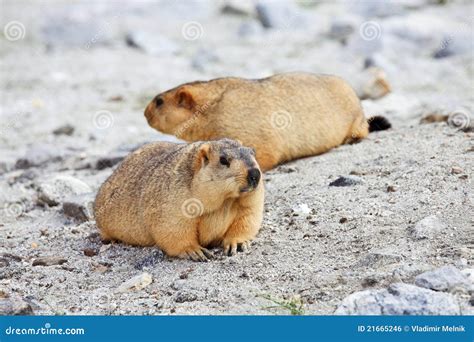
[445,278]
[429,227]
[110,160]
[280,15]
[456,43]
[79,207]
[64,130]
[14,306]
[249,29]
[236,7]
[150,260]
[347,181]
[152,43]
[53,191]
[73,32]
[399,299]
[39,155]
[379,258]
[48,261]
[371,9]
[342,27]
[185,296]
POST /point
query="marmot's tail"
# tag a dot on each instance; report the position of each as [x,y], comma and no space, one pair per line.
[378,123]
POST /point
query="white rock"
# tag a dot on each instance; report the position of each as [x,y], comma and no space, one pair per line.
[136,283]
[53,191]
[443,279]
[302,209]
[429,227]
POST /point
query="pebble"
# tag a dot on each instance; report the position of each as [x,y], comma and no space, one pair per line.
[399,299]
[136,283]
[280,15]
[379,258]
[185,296]
[110,160]
[48,261]
[152,43]
[64,130]
[347,181]
[456,170]
[79,207]
[39,155]
[89,252]
[428,227]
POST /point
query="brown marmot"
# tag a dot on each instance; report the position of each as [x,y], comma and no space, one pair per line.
[183,198]
[284,117]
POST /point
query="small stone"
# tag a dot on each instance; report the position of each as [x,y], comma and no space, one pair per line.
[110,160]
[429,227]
[343,220]
[152,43]
[379,258]
[151,260]
[287,169]
[469,274]
[434,117]
[373,84]
[4,262]
[39,155]
[89,252]
[391,188]
[64,130]
[136,283]
[301,210]
[185,296]
[235,7]
[456,170]
[444,278]
[280,15]
[48,261]
[347,181]
[54,190]
[399,299]
[14,306]
[79,207]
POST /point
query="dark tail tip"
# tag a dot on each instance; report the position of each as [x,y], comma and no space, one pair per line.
[378,123]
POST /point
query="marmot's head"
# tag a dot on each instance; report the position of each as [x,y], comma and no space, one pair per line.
[169,110]
[227,167]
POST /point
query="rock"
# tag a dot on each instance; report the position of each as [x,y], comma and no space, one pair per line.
[38,155]
[434,117]
[469,274]
[391,188]
[136,283]
[381,9]
[185,296]
[152,43]
[347,181]
[110,160]
[280,15]
[151,260]
[342,27]
[89,252]
[456,170]
[53,191]
[203,58]
[445,278]
[73,31]
[14,306]
[373,84]
[455,43]
[48,261]
[301,210]
[399,299]
[64,130]
[379,258]
[236,7]
[427,228]
[79,207]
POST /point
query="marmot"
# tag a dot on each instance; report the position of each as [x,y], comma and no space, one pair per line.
[184,198]
[284,117]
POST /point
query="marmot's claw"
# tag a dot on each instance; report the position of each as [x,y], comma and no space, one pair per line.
[201,254]
[234,247]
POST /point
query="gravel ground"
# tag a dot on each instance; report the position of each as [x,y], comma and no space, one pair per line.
[72,105]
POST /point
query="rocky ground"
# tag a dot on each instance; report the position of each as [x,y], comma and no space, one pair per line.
[396,237]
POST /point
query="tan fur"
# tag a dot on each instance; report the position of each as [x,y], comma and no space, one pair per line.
[283,117]
[149,199]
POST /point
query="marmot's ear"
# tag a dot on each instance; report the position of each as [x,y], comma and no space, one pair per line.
[202,157]
[185,99]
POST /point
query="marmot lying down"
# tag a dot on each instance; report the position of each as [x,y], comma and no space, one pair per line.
[283,117]
[183,198]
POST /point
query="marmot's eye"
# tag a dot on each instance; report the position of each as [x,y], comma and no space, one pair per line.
[158,101]
[224,161]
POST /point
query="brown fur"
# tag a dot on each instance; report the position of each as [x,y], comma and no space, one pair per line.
[283,117]
[181,198]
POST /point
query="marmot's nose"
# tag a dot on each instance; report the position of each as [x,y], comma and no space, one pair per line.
[253,177]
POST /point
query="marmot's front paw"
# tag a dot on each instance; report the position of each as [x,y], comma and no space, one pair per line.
[197,254]
[231,247]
